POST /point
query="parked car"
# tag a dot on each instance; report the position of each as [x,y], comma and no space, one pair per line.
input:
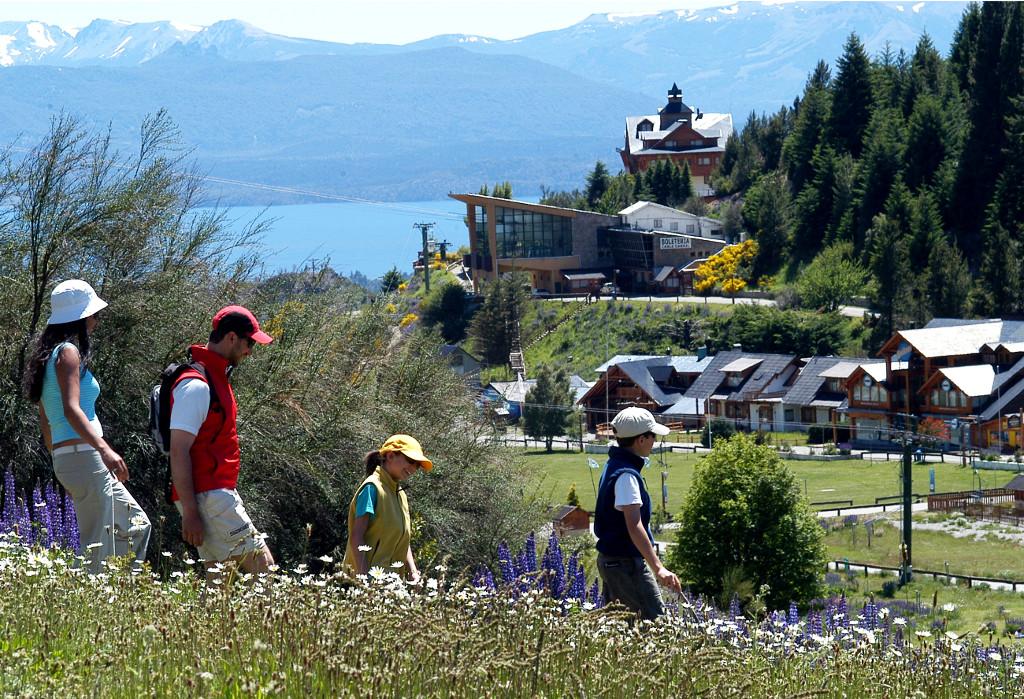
[540,294]
[610,288]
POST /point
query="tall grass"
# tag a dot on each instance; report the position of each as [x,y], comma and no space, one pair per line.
[295,634]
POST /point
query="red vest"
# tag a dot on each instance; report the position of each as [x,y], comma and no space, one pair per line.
[216,457]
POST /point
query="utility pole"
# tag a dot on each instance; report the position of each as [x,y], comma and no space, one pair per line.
[425,232]
[906,560]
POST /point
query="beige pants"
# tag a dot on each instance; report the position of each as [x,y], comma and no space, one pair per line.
[110,522]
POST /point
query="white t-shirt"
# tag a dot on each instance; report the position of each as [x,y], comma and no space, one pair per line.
[627,491]
[191,405]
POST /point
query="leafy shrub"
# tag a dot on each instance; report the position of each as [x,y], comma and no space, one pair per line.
[745,508]
[720,429]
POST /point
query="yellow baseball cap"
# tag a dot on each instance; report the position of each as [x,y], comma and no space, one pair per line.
[408,446]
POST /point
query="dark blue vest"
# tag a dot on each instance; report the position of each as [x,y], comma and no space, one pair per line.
[609,523]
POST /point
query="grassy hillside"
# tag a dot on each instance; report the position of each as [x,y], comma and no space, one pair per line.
[590,334]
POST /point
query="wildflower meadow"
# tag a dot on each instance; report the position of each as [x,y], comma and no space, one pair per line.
[533,627]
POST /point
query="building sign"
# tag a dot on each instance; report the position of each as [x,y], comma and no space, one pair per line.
[1013,421]
[675,243]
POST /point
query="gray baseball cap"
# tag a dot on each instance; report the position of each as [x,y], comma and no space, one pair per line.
[631,422]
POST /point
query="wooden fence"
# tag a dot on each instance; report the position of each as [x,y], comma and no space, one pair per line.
[961,500]
[970,580]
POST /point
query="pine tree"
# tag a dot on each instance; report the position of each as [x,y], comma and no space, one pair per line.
[964,46]
[851,97]
[928,142]
[494,325]
[889,75]
[814,205]
[981,159]
[767,212]
[889,263]
[949,280]
[597,184]
[877,171]
[548,406]
[682,184]
[809,126]
[927,74]
[391,280]
[998,285]
[925,228]
[1008,201]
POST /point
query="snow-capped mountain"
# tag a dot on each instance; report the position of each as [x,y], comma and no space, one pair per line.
[418,120]
[23,43]
[106,41]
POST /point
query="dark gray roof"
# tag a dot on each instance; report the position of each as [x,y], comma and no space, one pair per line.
[1017,483]
[712,377]
[1010,400]
[808,385]
[640,373]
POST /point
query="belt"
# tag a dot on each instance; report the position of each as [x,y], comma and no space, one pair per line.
[72,448]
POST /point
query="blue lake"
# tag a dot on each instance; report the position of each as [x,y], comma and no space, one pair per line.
[368,237]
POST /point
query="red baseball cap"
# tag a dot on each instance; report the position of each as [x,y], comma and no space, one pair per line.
[240,320]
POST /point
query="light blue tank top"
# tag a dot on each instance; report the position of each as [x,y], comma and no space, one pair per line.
[53,406]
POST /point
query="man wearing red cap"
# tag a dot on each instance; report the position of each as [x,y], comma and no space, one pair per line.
[205,457]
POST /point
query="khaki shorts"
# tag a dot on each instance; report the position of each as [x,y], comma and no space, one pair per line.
[227,530]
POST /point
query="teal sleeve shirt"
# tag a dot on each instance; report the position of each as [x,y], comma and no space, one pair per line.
[366,501]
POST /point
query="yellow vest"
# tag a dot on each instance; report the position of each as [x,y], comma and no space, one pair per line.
[390,528]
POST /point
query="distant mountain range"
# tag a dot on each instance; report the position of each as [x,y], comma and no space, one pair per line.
[447,113]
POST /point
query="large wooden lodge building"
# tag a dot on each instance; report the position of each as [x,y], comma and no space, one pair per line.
[966,376]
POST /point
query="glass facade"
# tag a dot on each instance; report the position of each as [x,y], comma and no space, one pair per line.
[480,224]
[528,234]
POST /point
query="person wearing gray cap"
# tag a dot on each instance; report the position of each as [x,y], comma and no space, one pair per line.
[622,519]
[58,378]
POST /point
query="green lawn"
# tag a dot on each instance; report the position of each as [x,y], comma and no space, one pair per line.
[861,481]
[990,557]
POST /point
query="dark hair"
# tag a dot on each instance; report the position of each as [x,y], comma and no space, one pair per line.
[237,323]
[50,337]
[372,460]
[627,442]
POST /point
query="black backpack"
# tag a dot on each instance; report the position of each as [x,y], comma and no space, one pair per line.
[160,402]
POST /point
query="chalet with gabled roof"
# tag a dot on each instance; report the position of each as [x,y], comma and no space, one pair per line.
[677,133]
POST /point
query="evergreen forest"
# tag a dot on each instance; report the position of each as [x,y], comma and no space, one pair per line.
[895,177]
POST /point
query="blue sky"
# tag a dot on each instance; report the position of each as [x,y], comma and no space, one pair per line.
[376,21]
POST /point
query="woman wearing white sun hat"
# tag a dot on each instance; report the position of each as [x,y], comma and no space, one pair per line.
[57,377]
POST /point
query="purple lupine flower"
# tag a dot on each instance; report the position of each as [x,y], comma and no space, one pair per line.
[842,609]
[595,595]
[57,536]
[9,515]
[41,526]
[734,608]
[793,618]
[484,578]
[530,554]
[73,539]
[578,588]
[505,565]
[869,616]
[814,623]
[24,523]
[554,568]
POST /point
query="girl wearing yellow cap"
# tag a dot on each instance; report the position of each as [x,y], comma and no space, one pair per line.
[379,526]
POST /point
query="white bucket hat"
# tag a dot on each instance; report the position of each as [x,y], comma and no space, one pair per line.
[73,300]
[633,421]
